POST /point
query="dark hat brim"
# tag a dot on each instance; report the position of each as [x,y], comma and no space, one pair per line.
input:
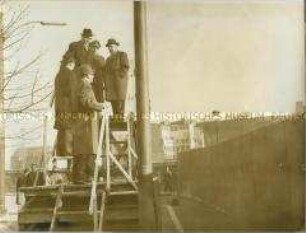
[95,46]
[86,35]
[116,43]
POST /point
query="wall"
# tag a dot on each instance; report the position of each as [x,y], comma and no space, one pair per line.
[255,181]
[218,131]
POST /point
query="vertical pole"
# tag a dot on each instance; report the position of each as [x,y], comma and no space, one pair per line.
[129,147]
[23,151]
[192,135]
[45,150]
[107,148]
[143,122]
[2,126]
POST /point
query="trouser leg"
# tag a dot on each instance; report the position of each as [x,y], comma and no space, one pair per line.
[121,107]
[59,144]
[118,109]
[114,107]
[64,142]
[79,169]
[90,166]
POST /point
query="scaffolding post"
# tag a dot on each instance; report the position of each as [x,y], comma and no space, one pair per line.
[45,147]
[146,208]
[2,122]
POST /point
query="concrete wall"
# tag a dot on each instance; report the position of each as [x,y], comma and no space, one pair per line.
[255,181]
[219,131]
[157,144]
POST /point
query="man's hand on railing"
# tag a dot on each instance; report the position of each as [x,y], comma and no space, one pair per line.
[102,112]
[107,109]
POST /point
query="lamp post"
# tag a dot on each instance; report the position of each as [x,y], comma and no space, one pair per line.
[146,210]
[45,23]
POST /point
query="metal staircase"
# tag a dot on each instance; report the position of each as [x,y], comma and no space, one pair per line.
[110,202]
[119,208]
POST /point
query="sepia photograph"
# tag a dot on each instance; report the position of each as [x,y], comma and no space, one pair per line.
[152,115]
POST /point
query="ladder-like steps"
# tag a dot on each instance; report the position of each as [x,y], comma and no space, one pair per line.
[122,212]
[121,209]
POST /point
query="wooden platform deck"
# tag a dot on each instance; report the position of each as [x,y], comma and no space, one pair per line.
[121,209]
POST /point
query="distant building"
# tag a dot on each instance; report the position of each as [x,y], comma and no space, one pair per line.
[11,180]
[25,157]
[299,107]
[158,155]
[180,136]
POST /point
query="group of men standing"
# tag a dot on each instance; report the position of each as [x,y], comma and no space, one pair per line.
[85,80]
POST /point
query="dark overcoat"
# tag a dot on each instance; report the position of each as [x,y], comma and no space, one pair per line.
[65,98]
[116,76]
[87,126]
[65,106]
[80,53]
[97,62]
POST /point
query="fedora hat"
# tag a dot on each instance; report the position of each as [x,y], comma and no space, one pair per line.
[95,44]
[87,32]
[112,41]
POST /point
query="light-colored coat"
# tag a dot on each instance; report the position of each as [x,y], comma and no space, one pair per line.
[87,126]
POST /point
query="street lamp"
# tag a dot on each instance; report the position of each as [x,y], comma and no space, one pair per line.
[45,23]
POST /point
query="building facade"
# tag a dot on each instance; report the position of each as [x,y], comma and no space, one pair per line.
[24,157]
[180,136]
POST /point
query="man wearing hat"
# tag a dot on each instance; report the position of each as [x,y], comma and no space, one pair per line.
[65,105]
[80,49]
[116,77]
[97,62]
[86,128]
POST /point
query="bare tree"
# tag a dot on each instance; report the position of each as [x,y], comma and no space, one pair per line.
[22,89]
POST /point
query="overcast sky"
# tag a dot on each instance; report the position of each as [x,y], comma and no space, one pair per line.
[203,55]
[230,57]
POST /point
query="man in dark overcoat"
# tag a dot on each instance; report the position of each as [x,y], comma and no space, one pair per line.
[80,49]
[116,77]
[97,62]
[65,105]
[86,128]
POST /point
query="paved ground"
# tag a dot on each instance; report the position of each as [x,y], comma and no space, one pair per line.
[8,221]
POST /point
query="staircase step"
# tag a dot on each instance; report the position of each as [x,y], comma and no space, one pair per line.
[116,142]
[35,210]
[116,125]
[121,200]
[119,193]
[117,214]
[123,207]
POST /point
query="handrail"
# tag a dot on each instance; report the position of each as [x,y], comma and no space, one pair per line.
[177,224]
[129,148]
[57,205]
[127,176]
[103,199]
[93,195]
[111,158]
[107,148]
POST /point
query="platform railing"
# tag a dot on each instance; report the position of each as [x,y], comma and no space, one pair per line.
[104,148]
